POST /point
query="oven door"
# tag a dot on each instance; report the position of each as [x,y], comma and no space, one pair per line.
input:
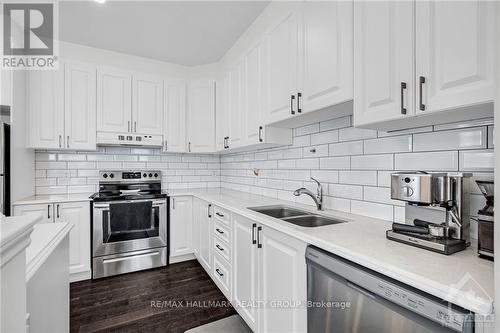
[108,241]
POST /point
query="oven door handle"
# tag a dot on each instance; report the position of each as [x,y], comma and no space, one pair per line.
[102,206]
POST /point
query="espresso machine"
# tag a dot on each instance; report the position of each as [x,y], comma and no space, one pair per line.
[436,211]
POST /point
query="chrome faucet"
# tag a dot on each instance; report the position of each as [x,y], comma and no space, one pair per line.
[318,198]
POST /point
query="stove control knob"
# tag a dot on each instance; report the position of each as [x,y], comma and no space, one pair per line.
[111,175]
[407,191]
[150,175]
[156,175]
[105,175]
[144,175]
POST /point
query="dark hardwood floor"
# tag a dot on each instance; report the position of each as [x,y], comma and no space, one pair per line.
[183,294]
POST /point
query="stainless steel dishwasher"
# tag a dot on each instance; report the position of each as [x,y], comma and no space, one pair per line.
[344,297]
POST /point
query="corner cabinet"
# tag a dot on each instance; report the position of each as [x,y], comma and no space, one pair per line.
[416,65]
[201,116]
[62,107]
[77,214]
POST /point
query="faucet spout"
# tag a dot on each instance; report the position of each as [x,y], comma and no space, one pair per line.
[318,198]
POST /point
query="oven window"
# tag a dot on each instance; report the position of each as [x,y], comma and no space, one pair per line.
[137,221]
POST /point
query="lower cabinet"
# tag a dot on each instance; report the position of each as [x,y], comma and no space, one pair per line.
[181,221]
[269,278]
[205,252]
[76,213]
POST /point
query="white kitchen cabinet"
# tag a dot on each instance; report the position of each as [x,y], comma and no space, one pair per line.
[181,220]
[383,61]
[283,276]
[201,116]
[254,94]
[147,104]
[78,214]
[235,109]
[196,227]
[62,107]
[45,211]
[45,103]
[422,63]
[205,252]
[114,100]
[221,110]
[326,54]
[80,106]
[282,66]
[454,53]
[245,270]
[174,127]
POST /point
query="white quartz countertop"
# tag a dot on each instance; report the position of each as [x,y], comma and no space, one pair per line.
[44,239]
[41,199]
[461,278]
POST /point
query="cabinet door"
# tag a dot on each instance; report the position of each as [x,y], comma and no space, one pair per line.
[253,96]
[175,116]
[283,276]
[383,61]
[197,203]
[221,109]
[455,43]
[326,54]
[78,214]
[45,99]
[80,106]
[201,116]
[45,211]
[181,219]
[245,278]
[282,67]
[147,107]
[235,111]
[114,100]
[205,236]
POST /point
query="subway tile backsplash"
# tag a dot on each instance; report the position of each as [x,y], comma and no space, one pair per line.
[356,172]
[353,164]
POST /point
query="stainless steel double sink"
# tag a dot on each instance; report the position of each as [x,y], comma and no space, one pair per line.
[296,216]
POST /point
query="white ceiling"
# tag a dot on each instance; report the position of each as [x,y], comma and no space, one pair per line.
[182,32]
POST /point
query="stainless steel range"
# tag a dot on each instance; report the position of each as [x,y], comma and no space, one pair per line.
[129,227]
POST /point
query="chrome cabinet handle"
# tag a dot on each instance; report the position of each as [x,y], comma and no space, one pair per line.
[135,126]
[209,206]
[260,134]
[48,212]
[292,98]
[259,244]
[128,126]
[173,203]
[219,247]
[67,141]
[189,146]
[299,109]
[218,272]
[253,233]
[403,87]
[421,82]
[60,138]
[57,210]
[219,231]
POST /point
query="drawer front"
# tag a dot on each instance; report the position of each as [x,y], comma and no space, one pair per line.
[222,215]
[223,249]
[222,231]
[221,274]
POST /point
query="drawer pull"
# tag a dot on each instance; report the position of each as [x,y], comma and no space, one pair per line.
[218,272]
[253,233]
[219,247]
[219,214]
[219,231]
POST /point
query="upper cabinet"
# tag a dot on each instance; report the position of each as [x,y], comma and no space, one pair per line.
[309,59]
[174,95]
[114,100]
[236,106]
[147,104]
[62,107]
[201,116]
[416,65]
